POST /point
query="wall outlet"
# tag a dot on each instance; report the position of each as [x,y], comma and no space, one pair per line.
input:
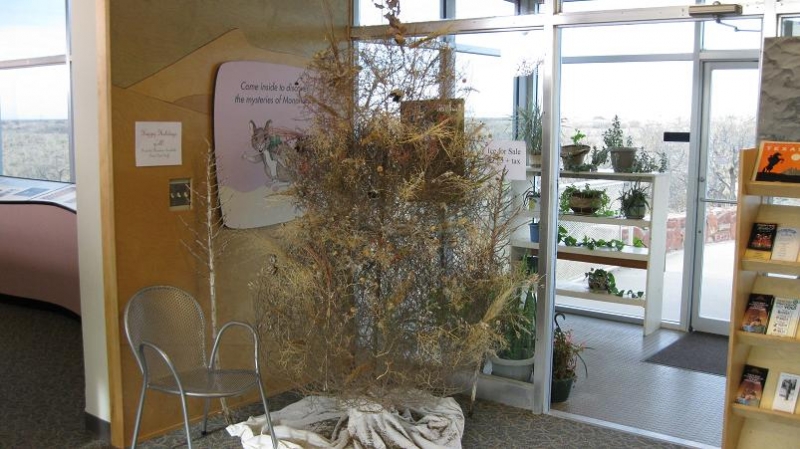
[180,194]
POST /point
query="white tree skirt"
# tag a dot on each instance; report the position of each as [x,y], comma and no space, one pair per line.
[437,425]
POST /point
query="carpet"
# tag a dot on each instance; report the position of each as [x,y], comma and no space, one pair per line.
[696,351]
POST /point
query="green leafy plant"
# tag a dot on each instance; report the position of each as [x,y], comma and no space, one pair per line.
[520,328]
[614,137]
[632,198]
[601,280]
[530,196]
[600,199]
[529,127]
[588,242]
[577,137]
[649,162]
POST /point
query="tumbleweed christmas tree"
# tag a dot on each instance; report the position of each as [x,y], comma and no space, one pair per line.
[395,277]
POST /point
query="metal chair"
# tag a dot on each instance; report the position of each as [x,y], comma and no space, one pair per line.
[166,330]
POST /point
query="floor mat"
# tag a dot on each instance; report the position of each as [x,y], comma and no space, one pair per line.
[695,351]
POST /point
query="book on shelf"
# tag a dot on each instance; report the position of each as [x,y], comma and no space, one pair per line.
[787,244]
[751,387]
[761,241]
[786,393]
[756,314]
[784,317]
[777,162]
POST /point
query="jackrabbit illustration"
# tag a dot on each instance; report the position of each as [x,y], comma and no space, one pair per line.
[270,148]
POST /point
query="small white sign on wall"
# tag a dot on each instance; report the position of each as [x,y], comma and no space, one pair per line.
[513,152]
[158,143]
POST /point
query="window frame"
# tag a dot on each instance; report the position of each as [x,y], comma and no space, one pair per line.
[45,61]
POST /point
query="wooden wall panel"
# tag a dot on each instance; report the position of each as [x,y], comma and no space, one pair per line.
[164,57]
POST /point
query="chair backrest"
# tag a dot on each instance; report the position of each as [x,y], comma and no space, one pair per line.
[171,319]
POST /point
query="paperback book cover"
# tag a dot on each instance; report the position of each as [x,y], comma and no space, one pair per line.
[751,388]
[761,241]
[784,317]
[756,314]
[786,393]
[778,162]
[787,244]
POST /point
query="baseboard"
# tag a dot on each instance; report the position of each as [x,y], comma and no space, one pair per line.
[99,427]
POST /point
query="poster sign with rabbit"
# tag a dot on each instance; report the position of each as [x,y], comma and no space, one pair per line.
[257,112]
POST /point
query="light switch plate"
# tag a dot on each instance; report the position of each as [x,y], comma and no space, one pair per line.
[180,194]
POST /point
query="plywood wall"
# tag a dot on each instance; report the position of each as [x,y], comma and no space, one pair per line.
[164,57]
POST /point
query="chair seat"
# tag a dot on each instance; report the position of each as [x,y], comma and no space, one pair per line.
[219,383]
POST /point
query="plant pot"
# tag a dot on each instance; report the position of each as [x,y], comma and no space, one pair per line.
[598,285]
[584,205]
[535,160]
[534,232]
[622,158]
[572,155]
[560,389]
[512,369]
[636,212]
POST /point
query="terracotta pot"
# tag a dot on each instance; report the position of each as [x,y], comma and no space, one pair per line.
[584,206]
[622,158]
[535,160]
[572,155]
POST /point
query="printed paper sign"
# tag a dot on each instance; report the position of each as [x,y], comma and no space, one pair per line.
[513,152]
[158,143]
[257,111]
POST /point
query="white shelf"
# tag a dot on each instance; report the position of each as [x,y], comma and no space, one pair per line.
[651,259]
[576,290]
[628,252]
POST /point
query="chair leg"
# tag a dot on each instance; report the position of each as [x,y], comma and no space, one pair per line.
[205,414]
[266,414]
[186,421]
[139,414]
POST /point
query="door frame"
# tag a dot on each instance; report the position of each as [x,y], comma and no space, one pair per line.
[697,200]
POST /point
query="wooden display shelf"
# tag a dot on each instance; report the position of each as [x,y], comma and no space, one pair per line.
[744,426]
[772,266]
[761,414]
[770,341]
[776,189]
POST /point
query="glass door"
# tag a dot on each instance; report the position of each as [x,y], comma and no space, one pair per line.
[730,102]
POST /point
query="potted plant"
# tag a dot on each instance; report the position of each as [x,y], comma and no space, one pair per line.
[572,155]
[649,162]
[515,360]
[583,201]
[601,281]
[529,129]
[566,354]
[634,201]
[531,197]
[621,149]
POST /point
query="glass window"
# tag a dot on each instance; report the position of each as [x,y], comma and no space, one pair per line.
[32,28]
[790,26]
[34,97]
[598,5]
[489,63]
[410,11]
[732,34]
[35,130]
[628,39]
[469,9]
[649,98]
